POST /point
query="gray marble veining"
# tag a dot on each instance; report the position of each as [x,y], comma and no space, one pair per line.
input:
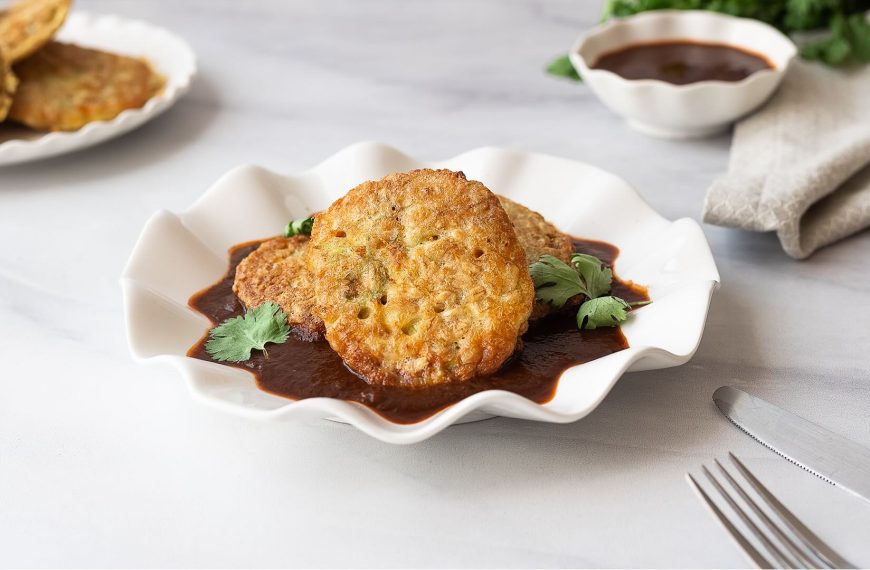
[106,463]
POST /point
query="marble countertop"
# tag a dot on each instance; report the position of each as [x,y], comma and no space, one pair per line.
[107,463]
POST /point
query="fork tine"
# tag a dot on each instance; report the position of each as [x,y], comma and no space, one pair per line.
[792,548]
[813,542]
[780,556]
[750,551]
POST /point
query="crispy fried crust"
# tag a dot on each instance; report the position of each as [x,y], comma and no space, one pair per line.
[420,279]
[538,237]
[276,272]
[63,87]
[8,84]
[27,25]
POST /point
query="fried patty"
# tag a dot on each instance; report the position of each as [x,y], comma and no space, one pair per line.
[27,25]
[538,237]
[276,272]
[420,279]
[8,84]
[63,87]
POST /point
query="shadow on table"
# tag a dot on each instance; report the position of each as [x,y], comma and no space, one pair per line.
[647,416]
[165,135]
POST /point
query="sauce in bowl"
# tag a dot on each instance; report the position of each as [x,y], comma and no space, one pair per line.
[681,62]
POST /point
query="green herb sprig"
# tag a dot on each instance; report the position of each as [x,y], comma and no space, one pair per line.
[602,312]
[562,67]
[556,282]
[299,227]
[235,338]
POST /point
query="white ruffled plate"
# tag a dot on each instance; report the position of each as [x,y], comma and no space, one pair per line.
[179,254]
[169,54]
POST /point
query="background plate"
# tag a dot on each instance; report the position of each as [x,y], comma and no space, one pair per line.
[179,254]
[169,54]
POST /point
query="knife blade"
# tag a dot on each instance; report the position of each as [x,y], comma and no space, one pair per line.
[828,455]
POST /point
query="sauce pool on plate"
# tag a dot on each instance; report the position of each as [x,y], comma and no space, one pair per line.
[298,369]
[682,62]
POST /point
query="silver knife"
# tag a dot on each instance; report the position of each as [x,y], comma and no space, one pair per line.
[822,452]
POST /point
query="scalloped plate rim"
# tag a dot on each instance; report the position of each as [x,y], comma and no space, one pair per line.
[358,415]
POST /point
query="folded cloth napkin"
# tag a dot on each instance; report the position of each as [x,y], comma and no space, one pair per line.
[801,164]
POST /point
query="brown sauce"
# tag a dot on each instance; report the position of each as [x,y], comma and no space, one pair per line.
[298,369]
[682,62]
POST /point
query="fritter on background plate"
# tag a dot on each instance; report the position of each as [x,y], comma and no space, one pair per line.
[27,25]
[8,83]
[420,279]
[63,87]
[276,272]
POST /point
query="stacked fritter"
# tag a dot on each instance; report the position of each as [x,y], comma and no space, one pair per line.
[538,237]
[417,279]
[8,84]
[54,86]
[276,272]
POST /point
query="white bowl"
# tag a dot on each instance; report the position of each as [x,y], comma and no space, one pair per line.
[170,55]
[697,109]
[179,254]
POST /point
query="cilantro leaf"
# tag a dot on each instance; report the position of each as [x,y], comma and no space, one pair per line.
[859,30]
[562,67]
[833,50]
[299,227]
[235,338]
[555,281]
[602,312]
[594,276]
[848,42]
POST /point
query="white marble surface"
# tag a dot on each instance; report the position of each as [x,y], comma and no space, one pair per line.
[106,463]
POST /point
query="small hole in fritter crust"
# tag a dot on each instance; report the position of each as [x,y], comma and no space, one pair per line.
[364,313]
[410,328]
[383,299]
[478,252]
[433,238]
[340,234]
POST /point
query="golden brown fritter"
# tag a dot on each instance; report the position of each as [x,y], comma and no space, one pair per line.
[420,279]
[63,87]
[276,272]
[8,84]
[27,25]
[538,237]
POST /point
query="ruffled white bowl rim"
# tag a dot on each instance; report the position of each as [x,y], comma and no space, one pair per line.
[179,254]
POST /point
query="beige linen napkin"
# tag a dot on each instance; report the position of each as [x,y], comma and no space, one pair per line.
[801,164]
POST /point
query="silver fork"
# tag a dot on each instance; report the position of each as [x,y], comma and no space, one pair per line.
[803,549]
